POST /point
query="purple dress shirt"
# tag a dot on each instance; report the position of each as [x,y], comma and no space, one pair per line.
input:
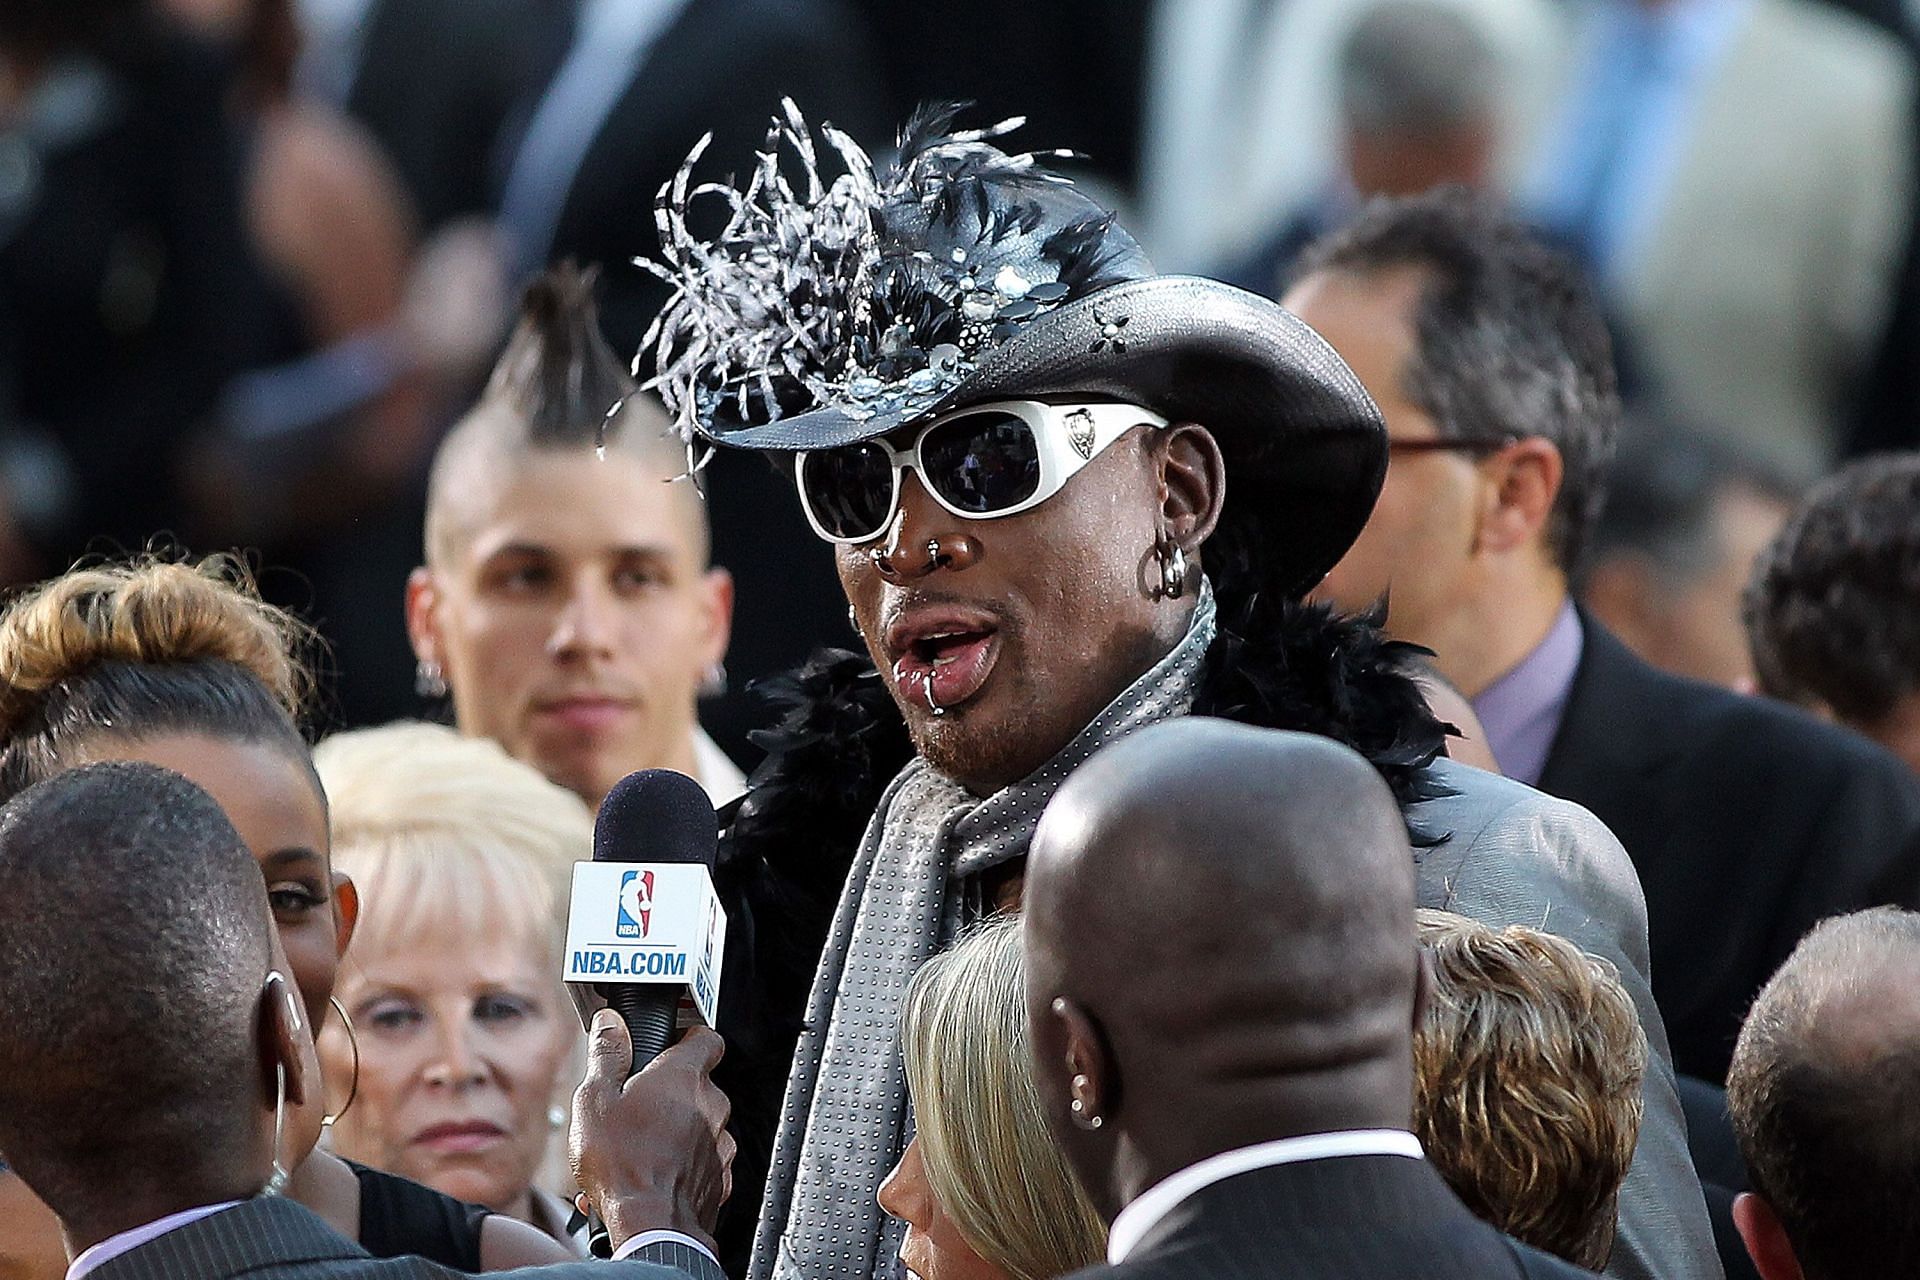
[1521,710]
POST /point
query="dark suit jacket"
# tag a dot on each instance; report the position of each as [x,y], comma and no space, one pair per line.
[276,1239]
[1354,1218]
[1748,821]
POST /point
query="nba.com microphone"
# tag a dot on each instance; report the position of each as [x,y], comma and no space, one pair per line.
[644,927]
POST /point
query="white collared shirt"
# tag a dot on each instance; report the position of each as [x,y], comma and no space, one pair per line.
[1157,1201]
[715,770]
[126,1241]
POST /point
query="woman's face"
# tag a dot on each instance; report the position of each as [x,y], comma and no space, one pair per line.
[461,1043]
[933,1248]
[30,1243]
[275,804]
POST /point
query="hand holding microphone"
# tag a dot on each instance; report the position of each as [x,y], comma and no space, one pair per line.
[652,1151]
[645,934]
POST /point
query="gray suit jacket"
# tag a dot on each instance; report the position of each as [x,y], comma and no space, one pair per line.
[1513,855]
[276,1239]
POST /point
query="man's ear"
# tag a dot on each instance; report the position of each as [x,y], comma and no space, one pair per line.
[1766,1240]
[423,627]
[1093,1088]
[1522,481]
[346,911]
[717,603]
[1193,483]
[285,1042]
[1426,981]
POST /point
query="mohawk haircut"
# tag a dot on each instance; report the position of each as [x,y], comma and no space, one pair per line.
[557,386]
[558,374]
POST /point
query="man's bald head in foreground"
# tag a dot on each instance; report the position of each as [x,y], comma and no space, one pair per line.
[1220,948]
[1823,1091]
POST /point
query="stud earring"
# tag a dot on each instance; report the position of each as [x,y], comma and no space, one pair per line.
[714,683]
[1083,1114]
[428,680]
[557,1116]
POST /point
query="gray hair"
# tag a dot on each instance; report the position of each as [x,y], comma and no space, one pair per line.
[1509,339]
[989,1156]
[1418,66]
[1822,1092]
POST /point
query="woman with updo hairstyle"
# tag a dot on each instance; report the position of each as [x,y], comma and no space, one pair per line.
[983,1189]
[464,857]
[184,666]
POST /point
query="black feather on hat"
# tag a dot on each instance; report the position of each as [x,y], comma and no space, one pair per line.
[825,314]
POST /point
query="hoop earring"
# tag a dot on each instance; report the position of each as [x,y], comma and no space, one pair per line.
[277,1181]
[353,1040]
[1173,568]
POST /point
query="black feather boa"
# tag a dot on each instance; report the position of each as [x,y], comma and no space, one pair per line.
[839,740]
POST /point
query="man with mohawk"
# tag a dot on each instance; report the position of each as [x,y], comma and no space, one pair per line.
[1068,498]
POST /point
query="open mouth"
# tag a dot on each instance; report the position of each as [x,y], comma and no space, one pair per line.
[943,663]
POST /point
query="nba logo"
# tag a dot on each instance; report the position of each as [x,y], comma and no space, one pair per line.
[636,905]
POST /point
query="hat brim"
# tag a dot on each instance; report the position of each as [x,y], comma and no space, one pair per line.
[1305,448]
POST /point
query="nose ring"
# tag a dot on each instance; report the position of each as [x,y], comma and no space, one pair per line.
[933,550]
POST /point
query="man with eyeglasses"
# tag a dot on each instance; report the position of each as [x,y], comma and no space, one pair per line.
[1747,822]
[1068,498]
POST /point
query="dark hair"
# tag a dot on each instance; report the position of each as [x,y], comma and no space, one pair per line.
[138,649]
[1825,1114]
[1509,340]
[133,951]
[558,372]
[1833,608]
[1663,494]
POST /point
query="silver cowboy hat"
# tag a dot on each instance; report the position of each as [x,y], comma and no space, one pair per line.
[824,314]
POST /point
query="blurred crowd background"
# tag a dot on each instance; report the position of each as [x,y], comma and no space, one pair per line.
[256,256]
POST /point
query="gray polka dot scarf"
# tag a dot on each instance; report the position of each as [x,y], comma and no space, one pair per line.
[845,1121]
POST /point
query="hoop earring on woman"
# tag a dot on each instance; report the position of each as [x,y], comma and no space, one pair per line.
[353,1090]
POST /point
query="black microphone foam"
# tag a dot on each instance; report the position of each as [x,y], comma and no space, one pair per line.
[655,815]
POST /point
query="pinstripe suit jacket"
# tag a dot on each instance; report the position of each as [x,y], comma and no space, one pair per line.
[1353,1218]
[276,1239]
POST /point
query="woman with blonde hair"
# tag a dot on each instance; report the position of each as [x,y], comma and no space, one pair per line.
[463,856]
[985,1193]
[184,666]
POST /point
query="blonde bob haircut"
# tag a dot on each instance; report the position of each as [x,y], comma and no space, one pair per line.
[989,1157]
[449,833]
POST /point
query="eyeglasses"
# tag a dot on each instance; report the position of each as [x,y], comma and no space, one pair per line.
[1456,444]
[980,463]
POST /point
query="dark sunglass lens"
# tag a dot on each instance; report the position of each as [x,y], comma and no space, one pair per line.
[848,489]
[983,462]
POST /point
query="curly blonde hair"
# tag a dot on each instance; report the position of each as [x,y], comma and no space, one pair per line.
[139,648]
[1527,1069]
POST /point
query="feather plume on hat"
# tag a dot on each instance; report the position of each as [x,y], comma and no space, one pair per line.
[875,292]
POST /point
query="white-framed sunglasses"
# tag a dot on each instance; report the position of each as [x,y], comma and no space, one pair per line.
[980,463]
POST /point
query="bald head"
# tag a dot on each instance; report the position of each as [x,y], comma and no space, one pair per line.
[1822,1092]
[1232,909]
[134,944]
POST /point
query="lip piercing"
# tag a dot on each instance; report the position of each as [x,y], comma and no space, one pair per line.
[926,687]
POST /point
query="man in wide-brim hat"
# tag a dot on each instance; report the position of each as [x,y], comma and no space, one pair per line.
[1068,498]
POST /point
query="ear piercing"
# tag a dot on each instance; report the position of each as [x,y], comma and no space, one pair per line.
[1083,1114]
